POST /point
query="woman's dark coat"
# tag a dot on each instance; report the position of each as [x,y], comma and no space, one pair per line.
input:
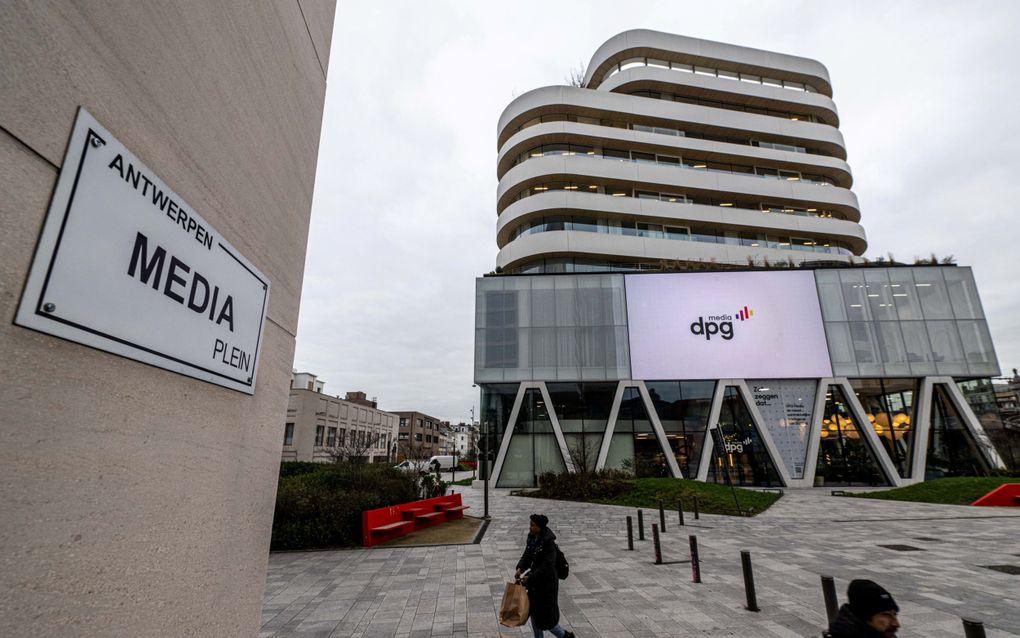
[847,625]
[543,584]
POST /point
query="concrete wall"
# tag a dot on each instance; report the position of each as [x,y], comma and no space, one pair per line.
[135,501]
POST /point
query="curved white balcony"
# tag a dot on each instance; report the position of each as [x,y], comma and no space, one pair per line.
[594,135]
[600,104]
[674,179]
[606,206]
[714,88]
[645,42]
[629,248]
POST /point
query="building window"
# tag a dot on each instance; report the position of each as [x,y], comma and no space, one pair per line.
[331,437]
[320,432]
[403,422]
[288,434]
[343,437]
[417,436]
[402,436]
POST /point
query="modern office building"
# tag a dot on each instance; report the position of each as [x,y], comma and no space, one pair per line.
[323,428]
[684,154]
[675,149]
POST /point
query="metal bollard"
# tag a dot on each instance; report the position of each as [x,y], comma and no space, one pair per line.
[697,514]
[655,542]
[662,517]
[630,534]
[752,598]
[973,628]
[680,511]
[695,563]
[829,593]
[640,526]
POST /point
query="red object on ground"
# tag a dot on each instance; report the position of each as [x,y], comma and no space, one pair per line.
[386,523]
[1006,495]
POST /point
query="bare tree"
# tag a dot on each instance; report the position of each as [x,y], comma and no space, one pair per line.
[584,452]
[355,448]
[576,75]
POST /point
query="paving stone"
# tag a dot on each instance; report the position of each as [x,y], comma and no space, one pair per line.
[454,591]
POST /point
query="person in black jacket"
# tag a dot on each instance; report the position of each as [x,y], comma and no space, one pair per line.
[537,572]
[870,613]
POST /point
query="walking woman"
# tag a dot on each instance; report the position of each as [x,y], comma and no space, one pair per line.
[537,572]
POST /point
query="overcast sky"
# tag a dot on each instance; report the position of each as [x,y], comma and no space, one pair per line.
[404,219]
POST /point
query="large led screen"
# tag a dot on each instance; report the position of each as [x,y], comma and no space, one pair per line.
[726,325]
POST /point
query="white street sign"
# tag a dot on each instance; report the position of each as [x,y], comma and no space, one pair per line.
[125,265]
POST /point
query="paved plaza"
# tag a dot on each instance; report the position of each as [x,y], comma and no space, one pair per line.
[455,590]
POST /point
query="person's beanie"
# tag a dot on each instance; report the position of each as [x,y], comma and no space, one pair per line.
[540,520]
[868,598]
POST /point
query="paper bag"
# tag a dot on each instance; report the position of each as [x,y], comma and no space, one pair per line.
[513,611]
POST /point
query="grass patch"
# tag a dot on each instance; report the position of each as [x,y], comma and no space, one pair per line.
[958,490]
[464,482]
[712,498]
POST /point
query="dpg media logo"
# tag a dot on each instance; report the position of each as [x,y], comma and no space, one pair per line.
[721,325]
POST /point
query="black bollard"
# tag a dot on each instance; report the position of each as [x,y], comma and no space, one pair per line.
[640,526]
[662,517]
[697,514]
[973,629]
[829,593]
[630,534]
[680,511]
[695,563]
[655,542]
[752,598]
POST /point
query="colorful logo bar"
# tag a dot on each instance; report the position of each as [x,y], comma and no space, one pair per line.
[746,313]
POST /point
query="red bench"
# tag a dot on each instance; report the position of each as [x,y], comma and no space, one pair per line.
[1006,495]
[386,523]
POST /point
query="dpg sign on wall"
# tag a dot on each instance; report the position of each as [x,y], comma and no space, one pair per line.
[726,325]
[125,265]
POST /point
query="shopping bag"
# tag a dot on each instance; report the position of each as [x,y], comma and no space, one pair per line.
[513,611]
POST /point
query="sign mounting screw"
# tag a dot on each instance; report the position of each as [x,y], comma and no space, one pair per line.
[96,142]
[49,307]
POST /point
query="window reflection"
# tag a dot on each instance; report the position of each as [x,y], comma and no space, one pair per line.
[706,234]
[889,406]
[844,457]
[743,459]
[638,62]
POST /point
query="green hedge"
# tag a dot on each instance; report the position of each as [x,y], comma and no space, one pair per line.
[620,488]
[319,505]
[583,486]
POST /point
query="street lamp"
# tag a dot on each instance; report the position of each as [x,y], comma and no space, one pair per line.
[485,459]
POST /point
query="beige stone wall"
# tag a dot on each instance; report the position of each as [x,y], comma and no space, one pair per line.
[135,501]
[307,410]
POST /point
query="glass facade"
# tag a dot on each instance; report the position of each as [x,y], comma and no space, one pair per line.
[912,322]
[886,329]
[634,446]
[683,408]
[889,404]
[844,457]
[582,410]
[551,328]
[952,450]
[739,455]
